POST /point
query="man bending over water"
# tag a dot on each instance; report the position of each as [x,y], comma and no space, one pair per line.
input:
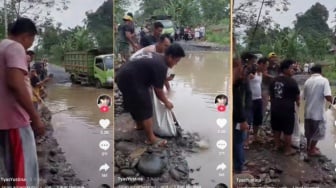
[134,80]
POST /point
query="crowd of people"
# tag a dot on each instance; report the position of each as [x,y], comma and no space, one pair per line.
[258,82]
[128,40]
[148,70]
[189,33]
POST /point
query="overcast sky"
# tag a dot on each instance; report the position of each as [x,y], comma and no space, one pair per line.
[296,6]
[76,13]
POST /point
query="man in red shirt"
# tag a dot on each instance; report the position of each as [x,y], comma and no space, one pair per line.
[18,117]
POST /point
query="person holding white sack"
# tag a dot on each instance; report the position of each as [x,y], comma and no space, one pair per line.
[316,90]
[163,120]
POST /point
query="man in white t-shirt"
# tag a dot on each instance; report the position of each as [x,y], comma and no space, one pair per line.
[316,90]
[160,47]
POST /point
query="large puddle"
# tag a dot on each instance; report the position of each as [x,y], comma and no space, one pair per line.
[76,124]
[200,77]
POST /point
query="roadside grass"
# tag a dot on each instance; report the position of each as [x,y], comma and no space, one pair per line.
[329,71]
[219,33]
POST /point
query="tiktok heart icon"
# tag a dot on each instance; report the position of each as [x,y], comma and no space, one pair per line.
[104,123]
[221,122]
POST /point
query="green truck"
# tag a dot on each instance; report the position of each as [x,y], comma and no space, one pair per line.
[92,67]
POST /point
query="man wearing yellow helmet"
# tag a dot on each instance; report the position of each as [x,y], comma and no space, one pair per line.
[271,72]
[126,38]
[273,67]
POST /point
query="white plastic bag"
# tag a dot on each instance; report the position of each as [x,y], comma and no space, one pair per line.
[296,136]
[164,124]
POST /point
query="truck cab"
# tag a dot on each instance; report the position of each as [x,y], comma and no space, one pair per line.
[103,70]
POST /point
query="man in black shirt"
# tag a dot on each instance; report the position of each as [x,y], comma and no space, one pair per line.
[152,39]
[126,38]
[240,126]
[284,92]
[134,80]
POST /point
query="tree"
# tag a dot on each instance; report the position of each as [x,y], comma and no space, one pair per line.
[37,10]
[100,24]
[120,8]
[246,13]
[215,10]
[312,25]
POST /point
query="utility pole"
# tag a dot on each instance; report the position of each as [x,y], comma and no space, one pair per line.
[6,19]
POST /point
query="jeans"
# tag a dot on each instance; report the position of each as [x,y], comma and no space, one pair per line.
[238,150]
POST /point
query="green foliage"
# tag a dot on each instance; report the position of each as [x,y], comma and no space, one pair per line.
[37,10]
[219,33]
[246,12]
[55,41]
[100,25]
[215,10]
[330,71]
[185,12]
[312,25]
[308,41]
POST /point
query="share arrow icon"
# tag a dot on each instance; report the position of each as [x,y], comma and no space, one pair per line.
[104,167]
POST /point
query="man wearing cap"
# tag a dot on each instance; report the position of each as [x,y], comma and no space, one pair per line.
[273,67]
[126,38]
[270,73]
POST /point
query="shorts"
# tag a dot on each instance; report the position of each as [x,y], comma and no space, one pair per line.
[313,130]
[18,157]
[257,107]
[283,122]
[136,99]
[124,50]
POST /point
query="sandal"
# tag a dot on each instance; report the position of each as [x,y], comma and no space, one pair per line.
[158,142]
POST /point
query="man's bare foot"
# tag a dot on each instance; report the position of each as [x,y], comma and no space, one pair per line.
[157,142]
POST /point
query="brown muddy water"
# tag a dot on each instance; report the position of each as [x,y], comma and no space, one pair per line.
[76,124]
[200,77]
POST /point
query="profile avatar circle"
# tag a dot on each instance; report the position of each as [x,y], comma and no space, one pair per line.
[104,103]
[221,101]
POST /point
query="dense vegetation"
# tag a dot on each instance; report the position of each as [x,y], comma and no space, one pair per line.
[53,40]
[309,40]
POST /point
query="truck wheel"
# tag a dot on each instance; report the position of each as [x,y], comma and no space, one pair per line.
[98,84]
